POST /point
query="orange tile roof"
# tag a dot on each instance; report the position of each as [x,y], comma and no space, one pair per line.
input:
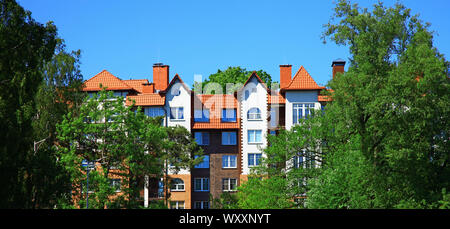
[136,84]
[154,99]
[106,79]
[302,81]
[276,97]
[325,98]
[215,104]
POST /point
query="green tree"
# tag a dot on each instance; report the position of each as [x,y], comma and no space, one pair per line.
[26,46]
[58,94]
[389,113]
[122,143]
[180,151]
[234,77]
[291,160]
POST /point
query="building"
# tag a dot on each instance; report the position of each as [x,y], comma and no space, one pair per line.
[231,128]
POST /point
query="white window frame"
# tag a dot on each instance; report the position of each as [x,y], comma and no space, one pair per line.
[177,186]
[177,204]
[227,160]
[301,110]
[176,117]
[253,141]
[227,187]
[254,159]
[254,116]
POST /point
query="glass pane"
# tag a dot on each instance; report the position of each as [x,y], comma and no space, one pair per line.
[232,161]
[251,159]
[258,136]
[251,136]
[180,113]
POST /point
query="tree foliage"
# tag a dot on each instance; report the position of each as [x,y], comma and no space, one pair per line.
[229,80]
[26,46]
[389,113]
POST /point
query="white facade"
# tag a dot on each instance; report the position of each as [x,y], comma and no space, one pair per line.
[253,95]
[293,97]
[178,97]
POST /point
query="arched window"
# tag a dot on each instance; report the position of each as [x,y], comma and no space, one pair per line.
[177,185]
[254,114]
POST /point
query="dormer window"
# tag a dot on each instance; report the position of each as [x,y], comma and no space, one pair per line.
[254,114]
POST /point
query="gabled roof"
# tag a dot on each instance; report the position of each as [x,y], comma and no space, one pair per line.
[106,79]
[302,81]
[172,82]
[136,84]
[254,74]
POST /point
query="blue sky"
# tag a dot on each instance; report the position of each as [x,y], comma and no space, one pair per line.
[200,37]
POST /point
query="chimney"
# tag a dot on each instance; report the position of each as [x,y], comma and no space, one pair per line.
[338,66]
[285,75]
[160,76]
[148,88]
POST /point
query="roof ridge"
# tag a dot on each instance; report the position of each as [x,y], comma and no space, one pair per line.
[307,77]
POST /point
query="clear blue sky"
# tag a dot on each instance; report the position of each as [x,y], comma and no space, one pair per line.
[200,37]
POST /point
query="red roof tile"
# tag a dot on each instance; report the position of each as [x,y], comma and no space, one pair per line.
[302,81]
[136,84]
[215,104]
[106,79]
[154,99]
[325,98]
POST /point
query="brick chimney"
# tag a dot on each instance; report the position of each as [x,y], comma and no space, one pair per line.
[160,76]
[285,75]
[338,66]
[148,88]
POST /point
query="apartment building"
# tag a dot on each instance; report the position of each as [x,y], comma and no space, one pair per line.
[232,129]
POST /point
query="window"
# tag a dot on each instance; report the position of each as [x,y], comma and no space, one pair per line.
[154,111]
[298,161]
[177,185]
[115,183]
[204,164]
[121,93]
[201,184]
[176,92]
[229,184]
[254,114]
[254,159]
[247,94]
[229,115]
[229,161]
[301,110]
[304,160]
[176,204]
[254,136]
[201,115]
[176,113]
[202,138]
[228,138]
[201,205]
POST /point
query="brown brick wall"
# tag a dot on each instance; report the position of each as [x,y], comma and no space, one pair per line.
[216,173]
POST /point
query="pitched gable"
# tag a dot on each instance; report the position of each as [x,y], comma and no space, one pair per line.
[106,79]
[302,81]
